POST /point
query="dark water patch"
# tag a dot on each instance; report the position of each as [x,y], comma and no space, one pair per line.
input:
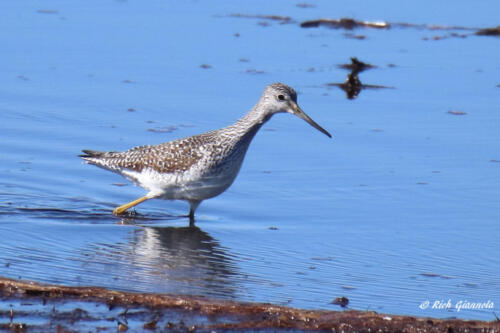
[77,209]
[356,65]
[47,11]
[344,23]
[163,129]
[32,207]
[429,26]
[347,23]
[354,36]
[429,274]
[23,78]
[456,113]
[489,31]
[322,258]
[254,71]
[278,18]
[352,85]
[94,215]
[435,275]
[305,5]
[441,37]
[350,24]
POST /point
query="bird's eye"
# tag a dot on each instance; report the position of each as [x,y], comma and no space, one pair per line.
[281,97]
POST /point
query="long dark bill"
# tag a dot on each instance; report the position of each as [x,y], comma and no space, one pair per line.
[298,112]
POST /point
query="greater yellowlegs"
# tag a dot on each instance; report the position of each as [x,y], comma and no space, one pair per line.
[201,166]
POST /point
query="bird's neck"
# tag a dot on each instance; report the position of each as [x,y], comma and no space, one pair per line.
[248,125]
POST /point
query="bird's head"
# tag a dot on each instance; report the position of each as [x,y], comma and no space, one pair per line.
[281,98]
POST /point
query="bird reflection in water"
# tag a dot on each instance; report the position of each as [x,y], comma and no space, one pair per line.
[184,260]
[176,260]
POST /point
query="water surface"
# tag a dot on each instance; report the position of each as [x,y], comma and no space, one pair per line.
[399,208]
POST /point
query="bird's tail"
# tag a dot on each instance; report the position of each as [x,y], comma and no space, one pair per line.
[101,159]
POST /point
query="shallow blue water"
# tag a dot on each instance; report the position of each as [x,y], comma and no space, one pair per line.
[402,206]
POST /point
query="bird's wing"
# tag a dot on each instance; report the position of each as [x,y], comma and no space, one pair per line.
[170,157]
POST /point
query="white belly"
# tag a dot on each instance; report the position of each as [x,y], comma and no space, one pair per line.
[195,184]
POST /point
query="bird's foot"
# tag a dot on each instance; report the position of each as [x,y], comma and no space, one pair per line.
[119,211]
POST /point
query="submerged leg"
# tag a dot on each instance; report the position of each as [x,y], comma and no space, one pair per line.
[122,209]
[192,207]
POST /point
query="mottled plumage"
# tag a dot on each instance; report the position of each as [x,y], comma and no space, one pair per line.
[201,166]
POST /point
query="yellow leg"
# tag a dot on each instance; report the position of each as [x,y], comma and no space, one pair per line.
[122,209]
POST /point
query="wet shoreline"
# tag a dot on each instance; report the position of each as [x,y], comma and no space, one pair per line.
[124,310]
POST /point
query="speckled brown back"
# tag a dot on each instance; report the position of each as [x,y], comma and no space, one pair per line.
[170,157]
